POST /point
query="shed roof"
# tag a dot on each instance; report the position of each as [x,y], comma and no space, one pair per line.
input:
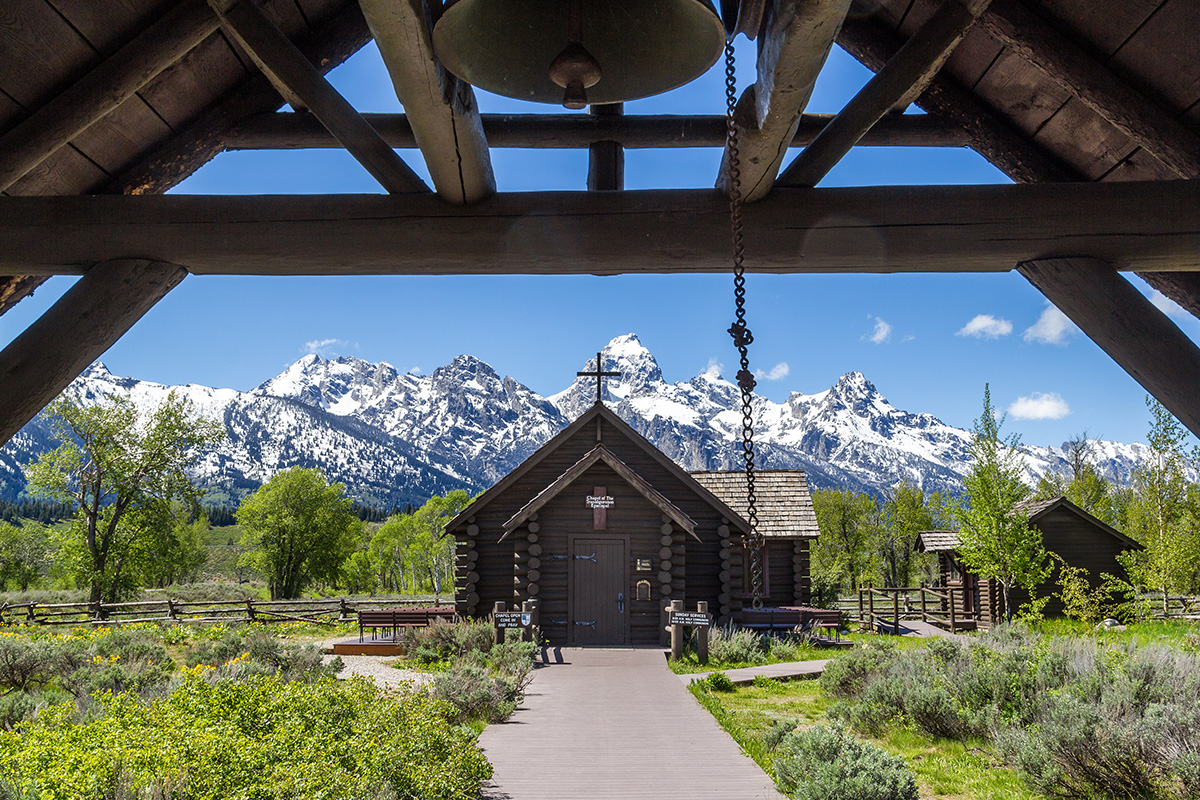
[1034,510]
[937,541]
[784,505]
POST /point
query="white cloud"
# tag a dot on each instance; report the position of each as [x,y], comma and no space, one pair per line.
[713,370]
[415,371]
[1040,406]
[776,372]
[985,326]
[1167,305]
[328,348]
[1052,327]
[882,332]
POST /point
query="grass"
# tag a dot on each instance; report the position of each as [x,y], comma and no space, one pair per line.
[800,651]
[1172,632]
[945,769]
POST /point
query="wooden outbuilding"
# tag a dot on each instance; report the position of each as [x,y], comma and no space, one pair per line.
[604,530]
[1079,538]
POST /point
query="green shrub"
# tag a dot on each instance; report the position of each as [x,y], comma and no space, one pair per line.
[447,640]
[731,645]
[261,652]
[822,763]
[26,664]
[775,734]
[719,682]
[515,661]
[261,739]
[476,693]
[846,676]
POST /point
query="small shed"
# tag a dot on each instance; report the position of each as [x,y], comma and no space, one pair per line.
[604,530]
[1079,538]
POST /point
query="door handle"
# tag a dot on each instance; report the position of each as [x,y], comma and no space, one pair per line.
[621,602]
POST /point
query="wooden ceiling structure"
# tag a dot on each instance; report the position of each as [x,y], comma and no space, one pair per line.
[1093,109]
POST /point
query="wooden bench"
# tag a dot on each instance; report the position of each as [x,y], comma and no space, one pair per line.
[792,618]
[393,619]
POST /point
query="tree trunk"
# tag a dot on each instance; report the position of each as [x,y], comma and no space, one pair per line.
[1007,604]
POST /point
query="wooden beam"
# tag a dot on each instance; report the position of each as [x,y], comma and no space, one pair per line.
[1135,225]
[606,159]
[301,84]
[111,83]
[74,332]
[1127,326]
[792,48]
[288,131]
[992,136]
[1146,122]
[204,138]
[441,108]
[901,80]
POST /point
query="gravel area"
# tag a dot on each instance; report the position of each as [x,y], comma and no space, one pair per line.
[379,668]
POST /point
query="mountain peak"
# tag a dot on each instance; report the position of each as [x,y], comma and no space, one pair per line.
[96,370]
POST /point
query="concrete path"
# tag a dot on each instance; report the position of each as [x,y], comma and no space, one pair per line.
[600,724]
[785,671]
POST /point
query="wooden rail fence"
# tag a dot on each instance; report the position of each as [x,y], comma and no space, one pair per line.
[885,608]
[321,612]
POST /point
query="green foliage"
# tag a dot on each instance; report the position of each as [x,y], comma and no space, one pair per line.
[487,687]
[906,512]
[261,739]
[25,553]
[1080,599]
[260,652]
[996,542]
[124,475]
[718,682]
[1083,484]
[850,527]
[1163,513]
[823,762]
[730,645]
[444,640]
[410,553]
[300,530]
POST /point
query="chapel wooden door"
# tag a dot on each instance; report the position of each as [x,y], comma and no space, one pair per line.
[598,587]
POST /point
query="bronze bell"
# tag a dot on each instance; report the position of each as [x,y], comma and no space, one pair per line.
[578,52]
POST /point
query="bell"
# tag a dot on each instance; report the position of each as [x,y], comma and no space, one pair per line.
[578,52]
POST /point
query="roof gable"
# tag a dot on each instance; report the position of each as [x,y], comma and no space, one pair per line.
[784,505]
[1038,509]
[601,454]
[599,410]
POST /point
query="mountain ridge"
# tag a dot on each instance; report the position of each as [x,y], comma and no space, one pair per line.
[395,438]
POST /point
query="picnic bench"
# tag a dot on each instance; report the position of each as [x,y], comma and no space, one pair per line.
[802,619]
[381,620]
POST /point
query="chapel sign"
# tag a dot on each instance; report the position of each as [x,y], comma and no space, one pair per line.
[600,501]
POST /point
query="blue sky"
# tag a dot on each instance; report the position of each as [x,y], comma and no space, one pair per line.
[929,342]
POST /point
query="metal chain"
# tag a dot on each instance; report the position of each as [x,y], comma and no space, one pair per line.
[742,337]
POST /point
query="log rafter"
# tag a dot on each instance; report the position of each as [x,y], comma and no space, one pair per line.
[440,108]
[792,48]
[1141,226]
[899,82]
[1079,72]
[75,331]
[108,85]
[1127,326]
[303,85]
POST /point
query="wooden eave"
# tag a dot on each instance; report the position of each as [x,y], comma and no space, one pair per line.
[600,454]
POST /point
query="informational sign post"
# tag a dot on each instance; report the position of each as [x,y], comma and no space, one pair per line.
[699,620]
[513,619]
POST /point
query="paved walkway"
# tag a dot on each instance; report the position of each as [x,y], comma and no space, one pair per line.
[921,630]
[785,671]
[600,724]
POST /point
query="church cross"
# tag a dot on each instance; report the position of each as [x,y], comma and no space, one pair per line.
[599,374]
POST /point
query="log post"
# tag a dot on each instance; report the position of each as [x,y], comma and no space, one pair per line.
[702,635]
[950,594]
[676,633]
[530,607]
[871,606]
[896,612]
[924,607]
[860,607]
[498,633]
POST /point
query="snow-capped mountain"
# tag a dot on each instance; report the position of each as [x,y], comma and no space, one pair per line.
[395,438]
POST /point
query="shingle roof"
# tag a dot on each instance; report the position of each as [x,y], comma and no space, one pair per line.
[1031,508]
[785,508]
[937,541]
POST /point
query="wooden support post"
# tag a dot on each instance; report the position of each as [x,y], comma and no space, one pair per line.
[861,620]
[792,48]
[302,85]
[899,83]
[950,594]
[1141,339]
[606,160]
[442,110]
[871,608]
[676,633]
[498,633]
[530,607]
[924,607]
[896,612]
[702,635]
[1021,31]
[111,83]
[74,332]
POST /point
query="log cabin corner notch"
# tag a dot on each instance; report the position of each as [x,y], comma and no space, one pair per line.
[604,530]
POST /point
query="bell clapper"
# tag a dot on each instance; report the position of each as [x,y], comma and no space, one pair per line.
[575,69]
